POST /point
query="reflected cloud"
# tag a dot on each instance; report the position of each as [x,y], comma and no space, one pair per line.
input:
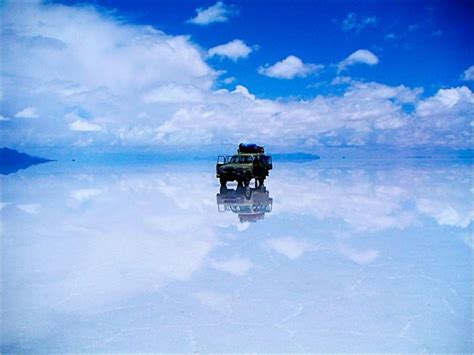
[215,301]
[290,247]
[30,208]
[236,266]
[148,244]
[361,257]
[444,213]
[250,204]
[368,202]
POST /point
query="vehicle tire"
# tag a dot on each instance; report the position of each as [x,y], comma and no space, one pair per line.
[248,193]
[246,181]
[261,181]
[223,181]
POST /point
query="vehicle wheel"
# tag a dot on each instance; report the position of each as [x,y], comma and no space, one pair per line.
[223,181]
[246,182]
[248,193]
[261,181]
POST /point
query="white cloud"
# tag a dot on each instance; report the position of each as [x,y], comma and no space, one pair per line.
[83,195]
[27,112]
[352,22]
[229,80]
[235,266]
[341,80]
[173,93]
[219,12]
[107,78]
[242,90]
[3,118]
[468,74]
[444,213]
[360,56]
[108,56]
[289,68]
[445,100]
[84,126]
[234,50]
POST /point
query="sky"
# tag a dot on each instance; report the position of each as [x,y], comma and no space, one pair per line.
[296,75]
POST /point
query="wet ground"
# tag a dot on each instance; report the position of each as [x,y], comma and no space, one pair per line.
[328,256]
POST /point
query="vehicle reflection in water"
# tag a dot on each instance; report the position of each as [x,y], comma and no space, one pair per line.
[250,204]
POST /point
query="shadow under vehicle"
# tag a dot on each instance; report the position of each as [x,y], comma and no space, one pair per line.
[249,163]
[250,204]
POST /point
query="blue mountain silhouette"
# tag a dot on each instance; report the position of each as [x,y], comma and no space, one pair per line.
[11,161]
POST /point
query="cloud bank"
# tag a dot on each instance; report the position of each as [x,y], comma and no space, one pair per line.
[123,85]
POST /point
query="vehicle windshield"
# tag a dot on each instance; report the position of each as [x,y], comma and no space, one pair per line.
[239,159]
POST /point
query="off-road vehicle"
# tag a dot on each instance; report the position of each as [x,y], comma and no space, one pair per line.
[249,163]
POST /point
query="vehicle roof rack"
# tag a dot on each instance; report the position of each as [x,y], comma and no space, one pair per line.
[250,148]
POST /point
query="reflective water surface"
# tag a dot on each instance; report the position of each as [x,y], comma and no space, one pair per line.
[159,258]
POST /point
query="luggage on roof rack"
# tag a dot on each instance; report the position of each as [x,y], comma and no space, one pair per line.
[250,148]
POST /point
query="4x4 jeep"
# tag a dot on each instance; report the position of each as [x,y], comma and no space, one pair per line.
[249,163]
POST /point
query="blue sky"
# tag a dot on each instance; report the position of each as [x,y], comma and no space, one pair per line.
[301,73]
[419,43]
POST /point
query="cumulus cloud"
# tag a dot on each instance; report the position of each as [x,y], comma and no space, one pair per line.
[468,74]
[445,100]
[360,56]
[234,50]
[27,112]
[219,12]
[139,86]
[444,119]
[289,68]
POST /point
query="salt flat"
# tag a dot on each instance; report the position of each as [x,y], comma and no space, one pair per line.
[343,257]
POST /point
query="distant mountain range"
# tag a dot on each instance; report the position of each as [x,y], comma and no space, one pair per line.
[11,161]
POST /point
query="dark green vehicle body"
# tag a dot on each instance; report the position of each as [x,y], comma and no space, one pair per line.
[243,167]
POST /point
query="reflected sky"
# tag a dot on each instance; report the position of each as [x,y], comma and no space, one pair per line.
[140,258]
